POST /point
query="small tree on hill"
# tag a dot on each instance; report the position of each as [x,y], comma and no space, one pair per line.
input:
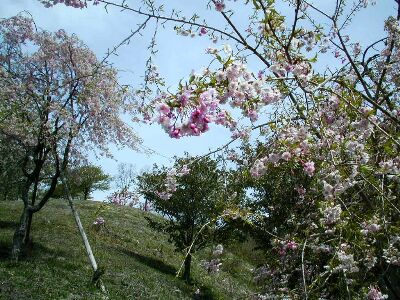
[83,181]
[189,199]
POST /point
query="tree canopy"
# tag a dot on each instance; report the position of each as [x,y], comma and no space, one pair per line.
[84,180]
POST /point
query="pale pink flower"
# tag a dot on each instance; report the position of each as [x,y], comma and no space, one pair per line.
[309,168]
[286,155]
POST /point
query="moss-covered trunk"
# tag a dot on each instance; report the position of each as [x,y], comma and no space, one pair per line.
[22,233]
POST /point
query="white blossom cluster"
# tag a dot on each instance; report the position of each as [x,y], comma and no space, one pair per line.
[331,215]
[375,294]
[369,228]
[346,263]
[392,255]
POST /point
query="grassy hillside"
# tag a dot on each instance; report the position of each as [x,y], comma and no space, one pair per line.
[139,263]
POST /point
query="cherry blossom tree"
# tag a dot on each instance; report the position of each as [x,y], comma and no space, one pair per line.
[323,104]
[58,101]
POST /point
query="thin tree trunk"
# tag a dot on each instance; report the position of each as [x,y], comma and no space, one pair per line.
[85,195]
[21,235]
[84,236]
[186,272]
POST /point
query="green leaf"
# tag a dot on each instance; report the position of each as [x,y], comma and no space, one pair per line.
[256,4]
[314,59]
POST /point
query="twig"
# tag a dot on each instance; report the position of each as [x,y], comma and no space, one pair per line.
[303,269]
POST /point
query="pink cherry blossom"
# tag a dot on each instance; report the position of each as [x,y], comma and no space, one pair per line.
[309,168]
[219,5]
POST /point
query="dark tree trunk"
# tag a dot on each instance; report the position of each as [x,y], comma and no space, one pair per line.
[28,228]
[21,235]
[85,194]
[186,272]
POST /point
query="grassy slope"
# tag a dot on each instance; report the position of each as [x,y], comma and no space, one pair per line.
[139,263]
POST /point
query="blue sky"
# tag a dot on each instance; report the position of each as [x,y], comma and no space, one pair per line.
[176,58]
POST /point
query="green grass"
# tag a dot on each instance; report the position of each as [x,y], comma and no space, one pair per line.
[139,263]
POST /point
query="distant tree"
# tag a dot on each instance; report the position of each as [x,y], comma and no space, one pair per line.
[126,176]
[189,197]
[124,181]
[84,180]
[57,101]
